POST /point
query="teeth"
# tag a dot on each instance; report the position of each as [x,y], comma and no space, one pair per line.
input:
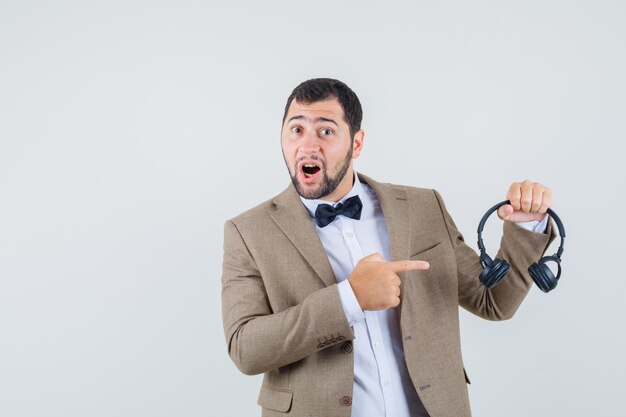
[309,165]
[307,175]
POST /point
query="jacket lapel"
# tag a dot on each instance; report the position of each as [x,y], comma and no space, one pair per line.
[395,206]
[293,219]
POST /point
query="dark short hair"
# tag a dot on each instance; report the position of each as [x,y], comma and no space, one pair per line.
[318,89]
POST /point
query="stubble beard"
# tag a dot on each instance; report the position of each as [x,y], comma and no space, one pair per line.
[329,184]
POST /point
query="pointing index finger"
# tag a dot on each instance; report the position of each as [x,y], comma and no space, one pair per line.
[403,266]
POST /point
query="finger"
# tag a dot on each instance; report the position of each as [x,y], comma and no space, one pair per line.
[374,257]
[402,266]
[396,281]
[395,302]
[505,211]
[546,201]
[527,196]
[394,289]
[537,199]
[514,195]
[391,288]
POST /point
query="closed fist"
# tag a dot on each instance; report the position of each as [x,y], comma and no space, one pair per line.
[529,201]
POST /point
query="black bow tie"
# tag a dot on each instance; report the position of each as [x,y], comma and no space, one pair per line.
[325,214]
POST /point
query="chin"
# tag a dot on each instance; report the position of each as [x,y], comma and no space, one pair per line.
[309,193]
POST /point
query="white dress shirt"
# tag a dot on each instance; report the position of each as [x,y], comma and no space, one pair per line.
[382,385]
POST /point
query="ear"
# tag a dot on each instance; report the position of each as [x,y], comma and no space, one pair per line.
[357,143]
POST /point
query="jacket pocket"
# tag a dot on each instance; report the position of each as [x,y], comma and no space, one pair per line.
[433,251]
[275,399]
[466,377]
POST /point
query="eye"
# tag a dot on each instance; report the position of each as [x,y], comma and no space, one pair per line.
[326,131]
[296,129]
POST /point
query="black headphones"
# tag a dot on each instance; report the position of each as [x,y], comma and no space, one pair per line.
[494,270]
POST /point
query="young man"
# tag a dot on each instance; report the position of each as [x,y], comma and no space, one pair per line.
[345,291]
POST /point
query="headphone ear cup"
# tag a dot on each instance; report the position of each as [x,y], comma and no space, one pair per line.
[543,276]
[490,276]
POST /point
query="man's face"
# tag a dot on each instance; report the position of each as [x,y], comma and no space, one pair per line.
[318,149]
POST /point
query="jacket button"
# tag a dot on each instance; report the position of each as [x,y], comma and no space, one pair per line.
[347,347]
[346,400]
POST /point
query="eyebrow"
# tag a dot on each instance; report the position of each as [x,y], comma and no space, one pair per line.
[317,119]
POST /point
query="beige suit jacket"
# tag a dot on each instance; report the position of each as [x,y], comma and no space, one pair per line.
[283,316]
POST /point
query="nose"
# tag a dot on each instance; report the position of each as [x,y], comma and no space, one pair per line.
[309,144]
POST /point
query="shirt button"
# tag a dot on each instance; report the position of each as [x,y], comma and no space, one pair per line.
[347,347]
[386,383]
[377,345]
[349,235]
[346,400]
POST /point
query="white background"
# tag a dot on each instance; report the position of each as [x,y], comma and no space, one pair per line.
[130,131]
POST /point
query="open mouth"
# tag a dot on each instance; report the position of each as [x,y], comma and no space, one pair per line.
[310,169]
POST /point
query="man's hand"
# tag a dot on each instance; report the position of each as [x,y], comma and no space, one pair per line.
[375,282]
[529,201]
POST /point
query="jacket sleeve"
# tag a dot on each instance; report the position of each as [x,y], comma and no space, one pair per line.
[260,339]
[518,246]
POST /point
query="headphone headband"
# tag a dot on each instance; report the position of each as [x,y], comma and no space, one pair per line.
[552,214]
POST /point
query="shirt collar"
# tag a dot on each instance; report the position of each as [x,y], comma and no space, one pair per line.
[357,189]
